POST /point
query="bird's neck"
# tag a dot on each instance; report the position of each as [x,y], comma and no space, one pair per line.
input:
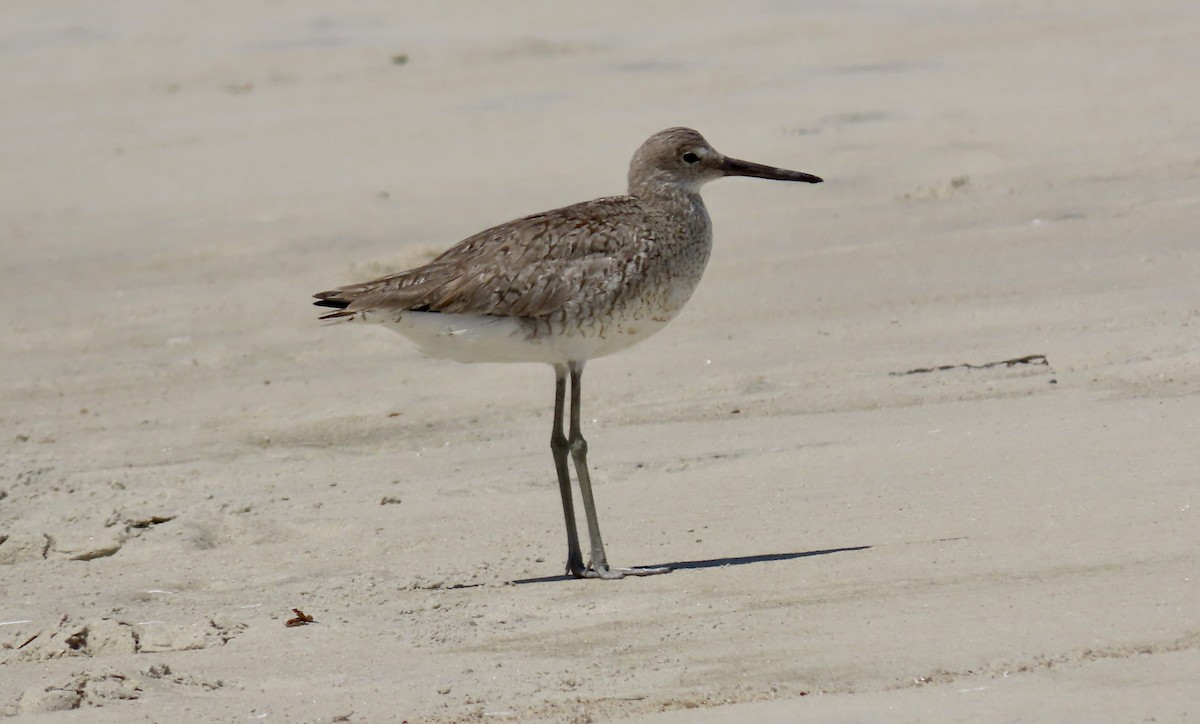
[669,197]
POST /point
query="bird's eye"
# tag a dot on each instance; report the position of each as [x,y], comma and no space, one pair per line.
[690,157]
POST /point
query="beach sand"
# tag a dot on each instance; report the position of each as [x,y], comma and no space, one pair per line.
[189,455]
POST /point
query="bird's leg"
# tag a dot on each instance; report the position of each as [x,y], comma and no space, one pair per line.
[561,449]
[598,567]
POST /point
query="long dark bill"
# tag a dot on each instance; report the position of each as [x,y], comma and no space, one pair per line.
[737,167]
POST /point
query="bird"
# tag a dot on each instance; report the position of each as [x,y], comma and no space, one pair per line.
[564,287]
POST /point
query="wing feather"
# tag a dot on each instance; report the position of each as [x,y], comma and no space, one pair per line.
[530,267]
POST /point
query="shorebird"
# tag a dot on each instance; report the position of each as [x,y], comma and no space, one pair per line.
[563,287]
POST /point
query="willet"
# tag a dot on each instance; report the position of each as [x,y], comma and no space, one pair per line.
[563,287]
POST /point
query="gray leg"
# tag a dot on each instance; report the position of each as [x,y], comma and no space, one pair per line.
[561,448]
[598,568]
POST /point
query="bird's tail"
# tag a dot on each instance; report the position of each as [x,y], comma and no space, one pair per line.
[336,301]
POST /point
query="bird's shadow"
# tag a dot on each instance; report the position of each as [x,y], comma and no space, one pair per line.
[716,562]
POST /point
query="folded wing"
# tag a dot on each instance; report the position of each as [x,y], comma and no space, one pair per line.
[530,267]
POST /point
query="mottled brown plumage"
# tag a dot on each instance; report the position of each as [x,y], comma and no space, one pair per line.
[565,286]
[531,267]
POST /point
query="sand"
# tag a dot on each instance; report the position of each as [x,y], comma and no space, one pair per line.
[189,455]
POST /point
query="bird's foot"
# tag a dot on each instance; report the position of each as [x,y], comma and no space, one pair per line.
[613,574]
[575,566]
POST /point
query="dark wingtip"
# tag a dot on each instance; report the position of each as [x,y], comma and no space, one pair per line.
[331,299]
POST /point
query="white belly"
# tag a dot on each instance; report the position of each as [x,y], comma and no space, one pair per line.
[472,338]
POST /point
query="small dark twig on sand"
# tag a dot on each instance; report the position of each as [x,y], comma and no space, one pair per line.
[1029,359]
